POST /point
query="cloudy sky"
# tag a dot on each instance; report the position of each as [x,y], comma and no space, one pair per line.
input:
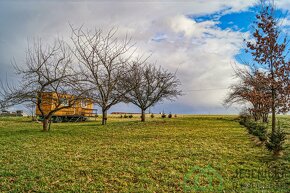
[203,39]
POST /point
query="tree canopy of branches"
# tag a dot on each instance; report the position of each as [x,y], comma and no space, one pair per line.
[251,88]
[269,52]
[103,58]
[150,85]
[106,74]
[47,69]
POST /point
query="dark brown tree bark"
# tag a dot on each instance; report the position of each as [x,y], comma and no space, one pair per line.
[273,109]
[45,124]
[142,115]
[104,117]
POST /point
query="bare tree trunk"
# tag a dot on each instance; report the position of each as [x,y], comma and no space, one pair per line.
[265,117]
[255,115]
[105,117]
[45,124]
[273,111]
[142,115]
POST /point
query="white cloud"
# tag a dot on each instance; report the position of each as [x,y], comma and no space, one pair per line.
[202,51]
[183,25]
[204,57]
[283,4]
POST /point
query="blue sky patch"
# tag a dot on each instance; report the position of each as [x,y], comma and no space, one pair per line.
[159,37]
[240,21]
[237,21]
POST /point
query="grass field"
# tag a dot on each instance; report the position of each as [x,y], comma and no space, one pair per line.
[184,154]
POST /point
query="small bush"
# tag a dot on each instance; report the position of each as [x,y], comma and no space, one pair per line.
[121,116]
[261,132]
[251,126]
[254,128]
[125,116]
[276,141]
[152,116]
[244,118]
[175,115]
[163,115]
[170,115]
[130,116]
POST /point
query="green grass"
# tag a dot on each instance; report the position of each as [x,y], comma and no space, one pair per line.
[161,155]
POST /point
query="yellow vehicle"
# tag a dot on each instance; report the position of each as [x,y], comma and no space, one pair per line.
[79,111]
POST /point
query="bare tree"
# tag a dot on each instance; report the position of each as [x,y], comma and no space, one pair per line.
[103,58]
[47,70]
[150,85]
[251,89]
[269,52]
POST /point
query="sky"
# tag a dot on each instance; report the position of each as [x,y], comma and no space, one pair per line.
[200,39]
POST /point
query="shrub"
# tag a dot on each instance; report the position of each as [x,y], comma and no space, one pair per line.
[254,128]
[276,141]
[163,115]
[130,116]
[260,131]
[175,115]
[244,118]
[125,116]
[152,115]
[170,115]
[121,116]
[251,126]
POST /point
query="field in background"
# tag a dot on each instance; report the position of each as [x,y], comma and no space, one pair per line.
[187,153]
